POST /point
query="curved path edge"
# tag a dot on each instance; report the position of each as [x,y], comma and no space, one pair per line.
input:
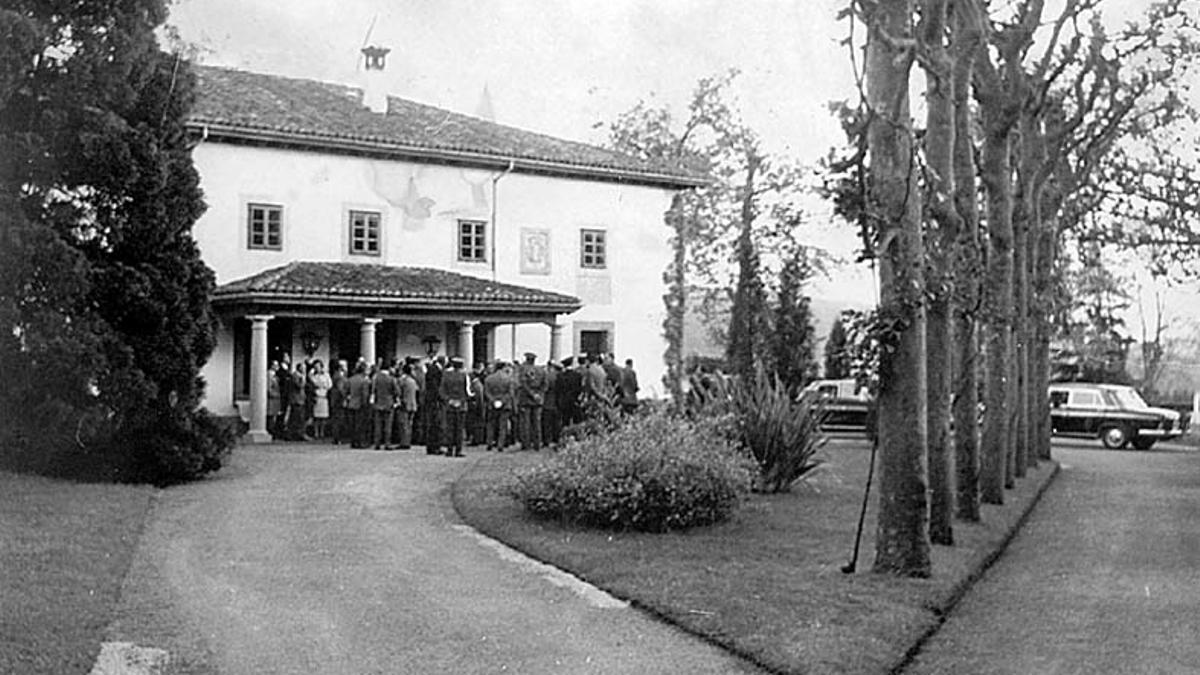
[1017,518]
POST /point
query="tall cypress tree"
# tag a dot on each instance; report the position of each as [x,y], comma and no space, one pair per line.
[98,170]
[792,338]
[837,361]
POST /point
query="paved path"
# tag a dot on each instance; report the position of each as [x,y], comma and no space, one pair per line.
[304,559]
[1104,578]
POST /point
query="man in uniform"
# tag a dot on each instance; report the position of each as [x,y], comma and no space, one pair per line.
[455,390]
[531,396]
[499,397]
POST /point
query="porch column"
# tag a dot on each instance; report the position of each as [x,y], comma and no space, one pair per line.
[466,343]
[556,330]
[258,379]
[366,343]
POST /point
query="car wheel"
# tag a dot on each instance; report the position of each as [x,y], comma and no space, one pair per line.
[1114,438]
[1143,443]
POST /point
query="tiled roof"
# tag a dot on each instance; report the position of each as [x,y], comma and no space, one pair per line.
[388,286]
[253,107]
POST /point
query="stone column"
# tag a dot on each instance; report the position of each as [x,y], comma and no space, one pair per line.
[366,343]
[556,330]
[466,343]
[258,379]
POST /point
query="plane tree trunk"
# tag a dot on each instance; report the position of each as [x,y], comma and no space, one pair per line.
[902,545]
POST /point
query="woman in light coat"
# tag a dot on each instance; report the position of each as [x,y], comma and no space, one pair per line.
[322,383]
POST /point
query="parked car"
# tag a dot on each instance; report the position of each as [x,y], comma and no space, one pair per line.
[1116,414]
[844,404]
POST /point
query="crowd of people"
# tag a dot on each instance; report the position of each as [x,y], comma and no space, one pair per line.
[438,404]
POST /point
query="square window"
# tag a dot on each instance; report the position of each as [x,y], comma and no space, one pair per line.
[264,226]
[593,249]
[364,232]
[472,240]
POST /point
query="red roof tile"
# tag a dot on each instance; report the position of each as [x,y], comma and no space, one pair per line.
[267,108]
[388,286]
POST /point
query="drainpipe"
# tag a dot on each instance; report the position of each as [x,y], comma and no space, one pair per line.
[496,179]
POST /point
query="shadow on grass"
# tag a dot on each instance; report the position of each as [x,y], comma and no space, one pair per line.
[767,583]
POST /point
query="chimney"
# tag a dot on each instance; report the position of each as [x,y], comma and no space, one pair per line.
[375,96]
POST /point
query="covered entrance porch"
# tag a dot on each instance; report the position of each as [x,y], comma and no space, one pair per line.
[376,313]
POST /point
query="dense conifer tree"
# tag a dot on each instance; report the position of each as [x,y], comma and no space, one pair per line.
[104,297]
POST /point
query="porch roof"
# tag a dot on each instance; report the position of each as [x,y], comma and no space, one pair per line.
[386,288]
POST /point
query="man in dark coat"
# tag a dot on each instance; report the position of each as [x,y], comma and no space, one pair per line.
[337,402]
[432,406]
[568,387]
[296,401]
[358,405]
[612,375]
[386,393]
[455,390]
[551,422]
[629,388]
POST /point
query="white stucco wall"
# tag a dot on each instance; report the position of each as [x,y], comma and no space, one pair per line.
[420,207]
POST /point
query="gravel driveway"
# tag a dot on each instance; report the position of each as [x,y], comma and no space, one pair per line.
[314,559]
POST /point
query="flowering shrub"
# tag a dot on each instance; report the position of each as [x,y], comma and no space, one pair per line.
[655,473]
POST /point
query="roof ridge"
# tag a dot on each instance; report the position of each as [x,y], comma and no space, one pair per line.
[321,112]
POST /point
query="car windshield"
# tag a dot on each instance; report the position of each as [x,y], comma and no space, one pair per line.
[1129,398]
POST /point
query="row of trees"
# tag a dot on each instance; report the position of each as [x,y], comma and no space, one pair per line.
[1039,132]
[104,315]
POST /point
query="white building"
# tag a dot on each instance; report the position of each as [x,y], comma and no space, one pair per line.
[338,231]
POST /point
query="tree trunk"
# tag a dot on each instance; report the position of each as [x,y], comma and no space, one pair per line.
[939,157]
[1044,284]
[902,545]
[998,306]
[1021,344]
[967,36]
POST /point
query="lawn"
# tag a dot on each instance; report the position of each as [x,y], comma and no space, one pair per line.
[64,549]
[767,584]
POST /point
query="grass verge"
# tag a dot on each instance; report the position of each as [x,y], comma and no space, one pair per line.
[767,584]
[66,547]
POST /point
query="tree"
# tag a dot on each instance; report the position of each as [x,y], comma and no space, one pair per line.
[837,360]
[655,135]
[748,318]
[941,242]
[902,545]
[720,231]
[791,336]
[99,171]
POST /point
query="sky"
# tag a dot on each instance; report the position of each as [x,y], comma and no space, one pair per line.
[562,67]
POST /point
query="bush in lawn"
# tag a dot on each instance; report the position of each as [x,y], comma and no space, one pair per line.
[654,473]
[601,415]
[779,430]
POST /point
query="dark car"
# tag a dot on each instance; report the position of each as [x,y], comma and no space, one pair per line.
[1116,414]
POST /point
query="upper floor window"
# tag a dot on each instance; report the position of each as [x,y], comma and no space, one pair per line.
[264,226]
[472,240]
[364,232]
[593,249]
